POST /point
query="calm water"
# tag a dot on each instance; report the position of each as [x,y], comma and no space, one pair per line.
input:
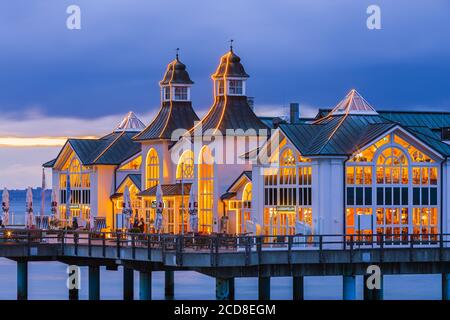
[47,280]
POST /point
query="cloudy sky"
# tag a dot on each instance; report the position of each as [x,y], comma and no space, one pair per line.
[56,83]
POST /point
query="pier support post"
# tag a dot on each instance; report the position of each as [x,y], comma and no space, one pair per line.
[372,294]
[94,283]
[349,287]
[169,284]
[73,294]
[446,286]
[298,288]
[22,280]
[263,288]
[145,285]
[225,289]
[128,283]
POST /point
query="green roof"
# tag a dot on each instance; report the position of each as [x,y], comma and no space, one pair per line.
[111,149]
[345,134]
[134,177]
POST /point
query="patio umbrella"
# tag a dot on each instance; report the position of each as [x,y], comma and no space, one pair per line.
[91,221]
[127,205]
[54,206]
[68,198]
[5,206]
[159,209]
[29,208]
[193,217]
[253,227]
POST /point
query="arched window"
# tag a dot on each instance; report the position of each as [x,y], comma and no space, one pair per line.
[152,170]
[245,212]
[205,190]
[185,167]
[392,189]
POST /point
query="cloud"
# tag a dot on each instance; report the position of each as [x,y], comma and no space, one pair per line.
[37,125]
[21,167]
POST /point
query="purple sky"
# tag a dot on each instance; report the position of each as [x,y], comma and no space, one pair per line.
[313,52]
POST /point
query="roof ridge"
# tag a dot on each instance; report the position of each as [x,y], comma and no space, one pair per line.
[109,146]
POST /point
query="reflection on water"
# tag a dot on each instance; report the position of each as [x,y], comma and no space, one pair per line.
[47,280]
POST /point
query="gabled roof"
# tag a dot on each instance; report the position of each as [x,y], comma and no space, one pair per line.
[172,115]
[111,149]
[353,123]
[245,174]
[120,149]
[135,179]
[337,135]
[344,135]
[130,123]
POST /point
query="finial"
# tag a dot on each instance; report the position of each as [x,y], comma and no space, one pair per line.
[177,54]
[231,45]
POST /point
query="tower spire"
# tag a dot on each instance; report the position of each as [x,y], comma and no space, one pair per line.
[231,45]
[177,53]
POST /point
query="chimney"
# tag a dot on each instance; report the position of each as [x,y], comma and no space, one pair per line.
[251,102]
[294,113]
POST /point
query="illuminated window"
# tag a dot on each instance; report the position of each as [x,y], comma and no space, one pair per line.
[206,190]
[287,193]
[185,167]
[152,170]
[244,214]
[80,192]
[400,186]
[134,164]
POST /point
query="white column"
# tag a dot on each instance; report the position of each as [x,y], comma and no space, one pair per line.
[327,195]
[445,200]
[258,194]
[315,197]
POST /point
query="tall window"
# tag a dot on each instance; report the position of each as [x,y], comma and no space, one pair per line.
[244,212]
[235,87]
[220,87]
[80,189]
[392,189]
[166,93]
[185,167]
[152,169]
[206,190]
[287,194]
